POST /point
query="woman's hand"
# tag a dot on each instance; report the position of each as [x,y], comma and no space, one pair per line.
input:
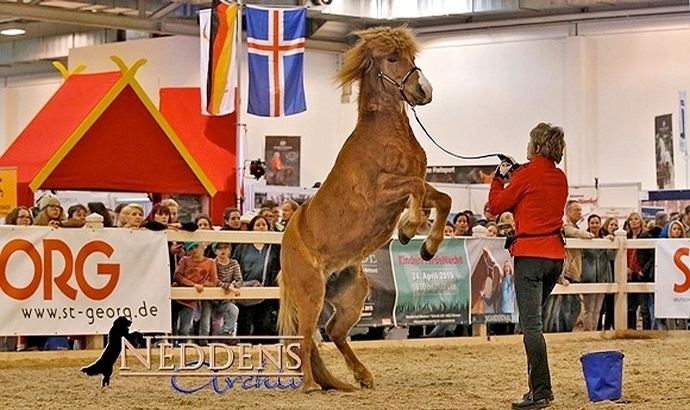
[199,288]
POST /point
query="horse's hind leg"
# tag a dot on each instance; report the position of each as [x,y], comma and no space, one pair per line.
[442,202]
[347,291]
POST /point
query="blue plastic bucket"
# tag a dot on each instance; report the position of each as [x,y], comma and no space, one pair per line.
[603,374]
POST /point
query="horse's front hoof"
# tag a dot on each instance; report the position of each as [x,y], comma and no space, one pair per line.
[404,239]
[425,254]
[365,379]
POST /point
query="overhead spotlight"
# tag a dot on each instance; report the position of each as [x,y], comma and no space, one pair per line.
[12,31]
[257,168]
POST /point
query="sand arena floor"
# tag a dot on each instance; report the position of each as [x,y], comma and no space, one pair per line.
[457,373]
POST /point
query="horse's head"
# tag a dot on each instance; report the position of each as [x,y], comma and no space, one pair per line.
[389,54]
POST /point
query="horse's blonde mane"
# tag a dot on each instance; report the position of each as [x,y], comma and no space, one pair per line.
[375,42]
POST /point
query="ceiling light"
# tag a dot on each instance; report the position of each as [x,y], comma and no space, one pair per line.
[12,31]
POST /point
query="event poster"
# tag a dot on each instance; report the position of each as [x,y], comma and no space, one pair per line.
[663,143]
[8,190]
[461,174]
[78,281]
[378,308]
[282,160]
[672,279]
[431,292]
[492,293]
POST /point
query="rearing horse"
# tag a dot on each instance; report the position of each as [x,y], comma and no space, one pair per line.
[378,173]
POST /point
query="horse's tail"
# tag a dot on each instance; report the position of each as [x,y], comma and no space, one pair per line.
[287,314]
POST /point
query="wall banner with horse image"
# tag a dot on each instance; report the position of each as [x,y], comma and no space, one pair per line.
[283,159]
[77,281]
[492,281]
[470,278]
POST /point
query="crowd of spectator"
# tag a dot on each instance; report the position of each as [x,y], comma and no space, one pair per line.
[232,266]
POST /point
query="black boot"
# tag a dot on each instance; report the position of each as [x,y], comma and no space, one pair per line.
[529,402]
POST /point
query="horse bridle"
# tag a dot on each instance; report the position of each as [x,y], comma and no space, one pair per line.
[400,84]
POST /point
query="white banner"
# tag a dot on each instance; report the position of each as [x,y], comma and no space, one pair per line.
[78,281]
[672,277]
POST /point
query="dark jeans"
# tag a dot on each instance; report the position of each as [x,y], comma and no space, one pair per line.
[606,315]
[640,300]
[535,278]
[258,320]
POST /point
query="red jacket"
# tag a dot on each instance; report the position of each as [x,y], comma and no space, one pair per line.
[536,195]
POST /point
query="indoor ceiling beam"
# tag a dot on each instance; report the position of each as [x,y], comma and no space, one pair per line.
[101,20]
[165,10]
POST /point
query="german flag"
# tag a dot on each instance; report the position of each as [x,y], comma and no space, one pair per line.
[218,58]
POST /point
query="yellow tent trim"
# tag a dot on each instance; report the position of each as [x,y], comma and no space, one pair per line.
[123,67]
[126,79]
[64,72]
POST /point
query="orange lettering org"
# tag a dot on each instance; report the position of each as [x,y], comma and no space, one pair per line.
[682,288]
[43,269]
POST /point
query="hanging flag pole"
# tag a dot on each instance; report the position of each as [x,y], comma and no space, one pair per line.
[241,127]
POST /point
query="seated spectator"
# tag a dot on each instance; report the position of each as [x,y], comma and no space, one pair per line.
[20,215]
[449,230]
[194,270]
[122,215]
[491,230]
[204,223]
[487,216]
[246,219]
[275,217]
[120,220]
[100,209]
[174,207]
[260,264]
[76,216]
[230,279]
[661,218]
[134,216]
[158,219]
[50,211]
[506,224]
[231,220]
[288,209]
[270,217]
[462,225]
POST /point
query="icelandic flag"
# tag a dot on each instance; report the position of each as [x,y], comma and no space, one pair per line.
[218,58]
[275,47]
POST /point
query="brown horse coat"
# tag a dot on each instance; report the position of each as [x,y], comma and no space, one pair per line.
[378,173]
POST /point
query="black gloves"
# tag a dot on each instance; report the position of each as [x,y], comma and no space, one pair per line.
[506,167]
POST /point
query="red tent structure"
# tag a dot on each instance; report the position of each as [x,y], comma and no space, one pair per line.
[211,141]
[101,132]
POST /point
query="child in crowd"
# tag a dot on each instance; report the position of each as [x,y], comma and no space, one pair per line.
[194,270]
[230,279]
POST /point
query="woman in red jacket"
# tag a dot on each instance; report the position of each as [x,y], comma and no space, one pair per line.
[536,195]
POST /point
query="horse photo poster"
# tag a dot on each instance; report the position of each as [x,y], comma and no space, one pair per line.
[283,160]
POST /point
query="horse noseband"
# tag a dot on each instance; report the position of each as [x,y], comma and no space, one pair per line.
[400,84]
